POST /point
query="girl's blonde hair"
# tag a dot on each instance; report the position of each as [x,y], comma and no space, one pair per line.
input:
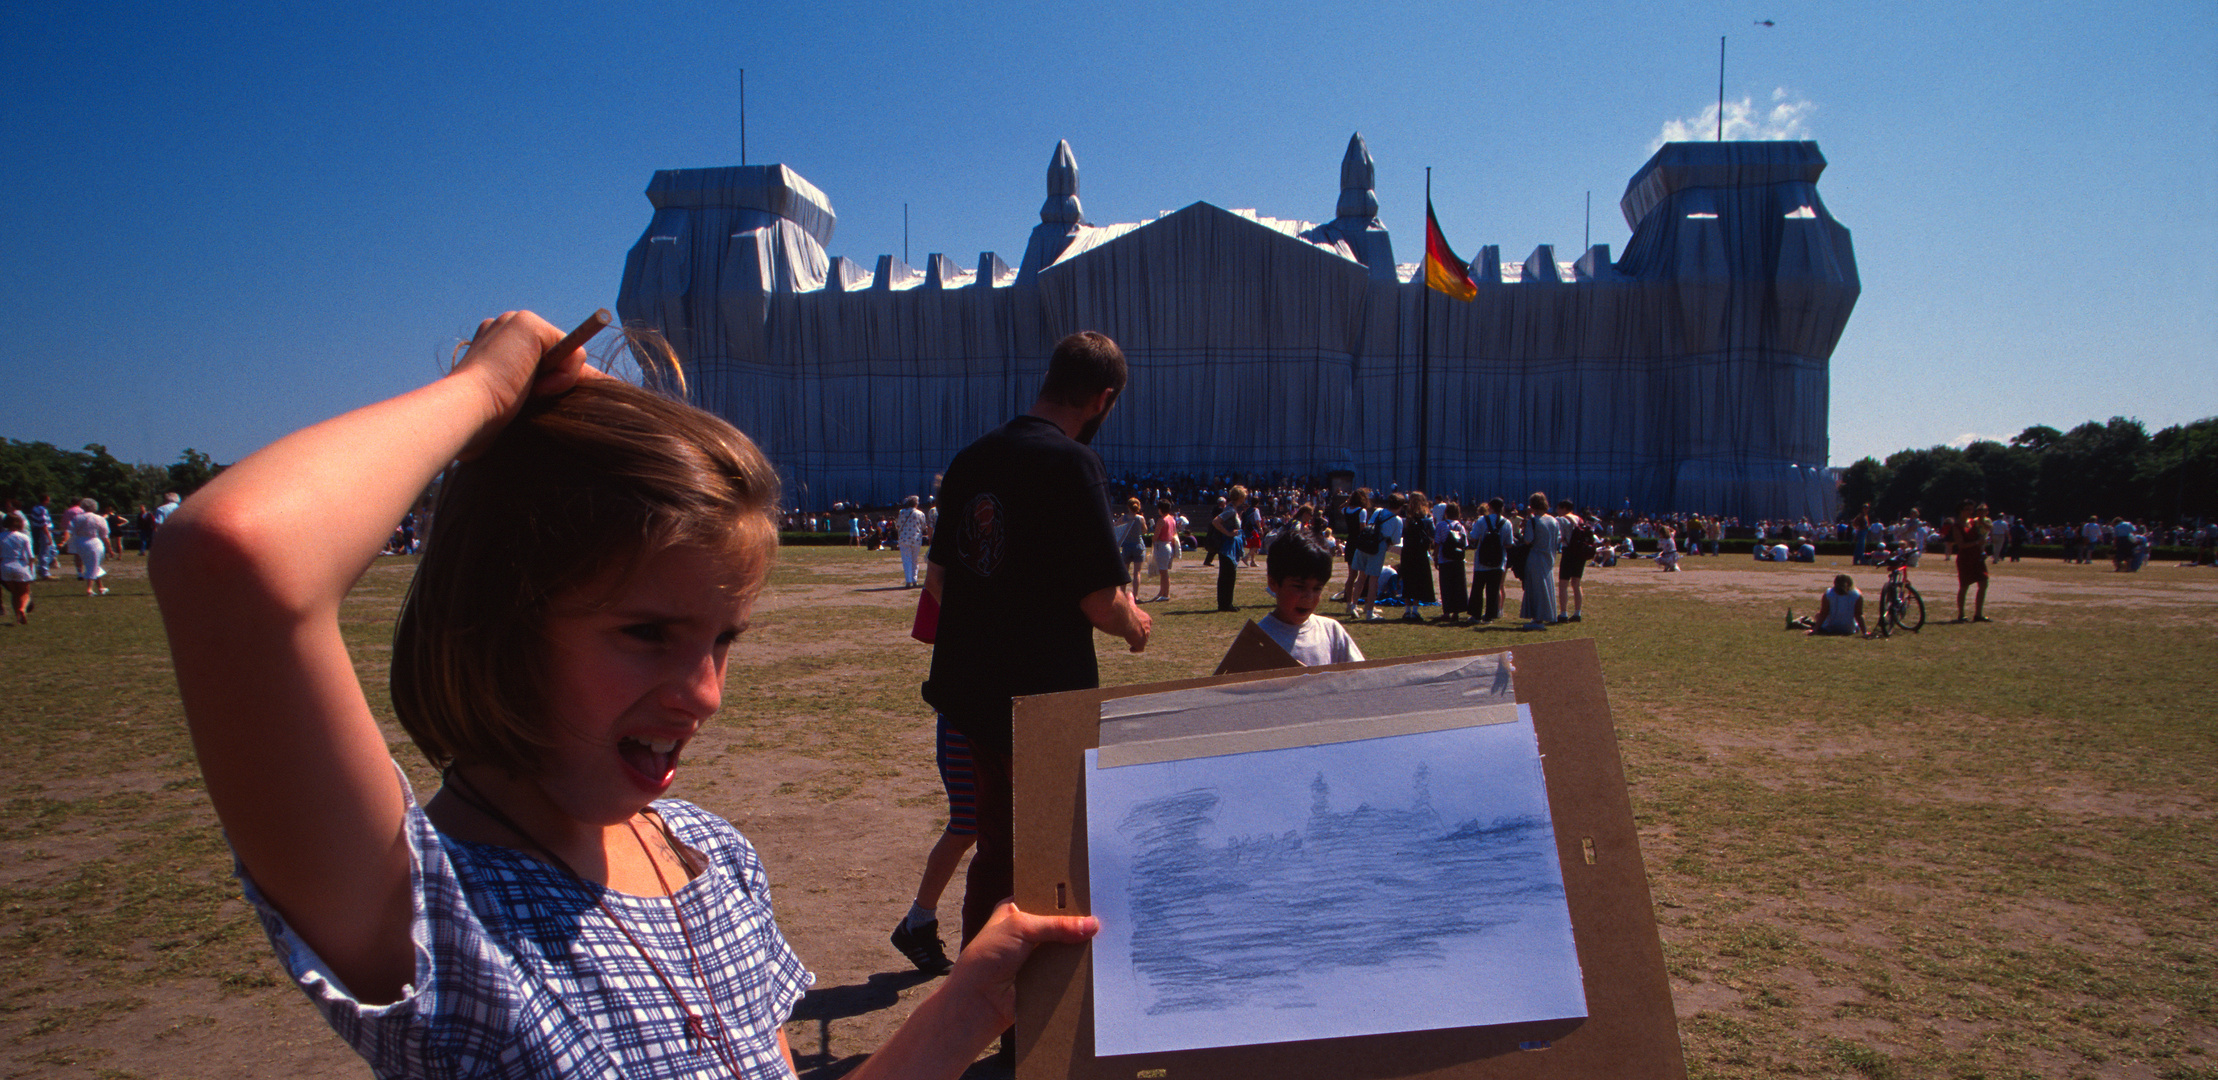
[576,492]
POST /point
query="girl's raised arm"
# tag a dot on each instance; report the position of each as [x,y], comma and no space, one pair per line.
[250,575]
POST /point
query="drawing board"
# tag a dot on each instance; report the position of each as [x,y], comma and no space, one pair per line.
[1570,983]
[1253,650]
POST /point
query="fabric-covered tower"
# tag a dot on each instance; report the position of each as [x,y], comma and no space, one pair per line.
[1758,277]
[1356,218]
[721,244]
[1061,217]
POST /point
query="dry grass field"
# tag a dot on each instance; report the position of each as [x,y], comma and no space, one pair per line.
[1981,851]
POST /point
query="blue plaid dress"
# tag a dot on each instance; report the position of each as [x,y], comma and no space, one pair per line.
[520,974]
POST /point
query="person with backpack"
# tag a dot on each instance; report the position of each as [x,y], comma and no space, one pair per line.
[1373,544]
[1579,545]
[1491,535]
[1448,555]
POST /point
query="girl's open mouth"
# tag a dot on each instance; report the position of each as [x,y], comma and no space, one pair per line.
[654,760]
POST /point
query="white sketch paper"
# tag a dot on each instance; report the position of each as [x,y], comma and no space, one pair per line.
[1404,883]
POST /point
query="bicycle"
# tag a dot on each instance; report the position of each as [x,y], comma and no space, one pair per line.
[1900,606]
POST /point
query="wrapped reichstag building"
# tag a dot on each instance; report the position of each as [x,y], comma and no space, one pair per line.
[1691,374]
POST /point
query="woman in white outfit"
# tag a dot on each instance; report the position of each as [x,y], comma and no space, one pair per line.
[909,523]
[18,563]
[88,539]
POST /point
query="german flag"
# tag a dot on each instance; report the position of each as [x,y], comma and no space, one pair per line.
[1443,271]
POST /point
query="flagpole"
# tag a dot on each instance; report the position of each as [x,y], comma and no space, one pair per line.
[1424,348]
[1721,88]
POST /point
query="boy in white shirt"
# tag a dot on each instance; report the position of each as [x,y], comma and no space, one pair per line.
[1299,569]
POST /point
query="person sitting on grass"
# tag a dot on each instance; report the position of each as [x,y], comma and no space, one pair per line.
[547,913]
[1840,611]
[1298,570]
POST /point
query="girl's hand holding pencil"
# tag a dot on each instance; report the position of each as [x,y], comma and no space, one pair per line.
[518,356]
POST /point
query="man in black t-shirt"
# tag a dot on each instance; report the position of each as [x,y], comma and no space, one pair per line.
[1025,566]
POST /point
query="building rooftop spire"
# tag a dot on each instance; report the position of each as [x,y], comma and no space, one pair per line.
[1061,207]
[1358,181]
[1356,221]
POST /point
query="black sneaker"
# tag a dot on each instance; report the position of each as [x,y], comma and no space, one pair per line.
[922,946]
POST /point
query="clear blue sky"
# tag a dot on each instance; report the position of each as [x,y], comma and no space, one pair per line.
[221,222]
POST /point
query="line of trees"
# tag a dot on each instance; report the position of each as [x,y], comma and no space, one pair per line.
[2105,470]
[31,469]
[2051,477]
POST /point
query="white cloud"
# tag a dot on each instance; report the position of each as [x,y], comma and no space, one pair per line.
[1787,118]
[1970,437]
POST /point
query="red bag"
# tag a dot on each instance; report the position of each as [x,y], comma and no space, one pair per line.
[927,626]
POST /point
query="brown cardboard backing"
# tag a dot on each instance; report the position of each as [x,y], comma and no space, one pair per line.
[1629,1032]
[1253,650]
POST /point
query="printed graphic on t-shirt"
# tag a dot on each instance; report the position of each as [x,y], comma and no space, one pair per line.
[983,538]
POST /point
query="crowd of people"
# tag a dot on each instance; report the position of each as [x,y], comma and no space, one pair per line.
[879,529]
[1407,550]
[2126,544]
[33,540]
[1192,503]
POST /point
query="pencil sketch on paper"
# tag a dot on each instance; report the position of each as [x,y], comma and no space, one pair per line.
[1200,955]
[1296,893]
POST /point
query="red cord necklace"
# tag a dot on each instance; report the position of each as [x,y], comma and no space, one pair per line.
[696,1030]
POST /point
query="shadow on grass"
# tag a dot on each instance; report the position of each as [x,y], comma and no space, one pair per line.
[984,1069]
[826,1004]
